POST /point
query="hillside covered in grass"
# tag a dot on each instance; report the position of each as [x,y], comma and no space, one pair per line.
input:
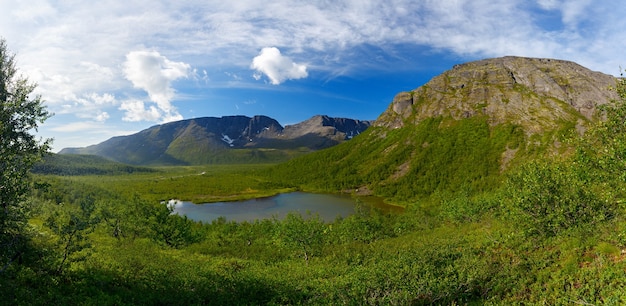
[463,130]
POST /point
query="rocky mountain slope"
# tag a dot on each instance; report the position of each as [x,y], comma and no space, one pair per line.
[225,139]
[462,129]
[534,93]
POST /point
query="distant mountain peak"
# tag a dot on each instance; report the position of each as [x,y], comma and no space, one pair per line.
[335,128]
[208,139]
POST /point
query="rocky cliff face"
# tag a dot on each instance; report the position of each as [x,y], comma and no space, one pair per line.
[533,93]
[335,128]
[187,141]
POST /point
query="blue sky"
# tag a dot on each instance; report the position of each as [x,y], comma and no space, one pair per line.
[110,67]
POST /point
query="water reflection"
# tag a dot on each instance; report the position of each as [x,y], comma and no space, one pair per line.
[326,205]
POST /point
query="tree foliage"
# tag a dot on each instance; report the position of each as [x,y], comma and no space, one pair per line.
[604,147]
[72,224]
[549,198]
[20,114]
[305,235]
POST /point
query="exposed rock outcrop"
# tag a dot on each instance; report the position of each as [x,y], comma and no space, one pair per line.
[531,92]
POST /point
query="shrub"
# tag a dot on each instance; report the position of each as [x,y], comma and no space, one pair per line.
[547,198]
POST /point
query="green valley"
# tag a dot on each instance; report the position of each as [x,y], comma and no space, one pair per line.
[513,188]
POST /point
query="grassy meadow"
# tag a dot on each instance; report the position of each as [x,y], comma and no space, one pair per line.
[198,184]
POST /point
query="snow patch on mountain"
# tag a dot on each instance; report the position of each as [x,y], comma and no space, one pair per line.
[227,140]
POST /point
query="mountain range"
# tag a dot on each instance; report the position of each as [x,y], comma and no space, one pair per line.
[229,139]
[462,130]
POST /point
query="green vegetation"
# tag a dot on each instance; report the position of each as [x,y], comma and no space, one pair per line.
[198,184]
[409,163]
[20,113]
[69,164]
[235,156]
[546,199]
[542,228]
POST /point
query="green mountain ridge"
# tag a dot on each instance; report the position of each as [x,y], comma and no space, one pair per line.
[461,130]
[229,139]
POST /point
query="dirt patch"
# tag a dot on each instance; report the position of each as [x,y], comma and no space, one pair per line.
[402,170]
[507,156]
[361,191]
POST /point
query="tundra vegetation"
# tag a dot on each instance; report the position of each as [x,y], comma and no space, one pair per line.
[548,230]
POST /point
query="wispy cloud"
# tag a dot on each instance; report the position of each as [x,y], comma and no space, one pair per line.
[79,133]
[78,126]
[572,12]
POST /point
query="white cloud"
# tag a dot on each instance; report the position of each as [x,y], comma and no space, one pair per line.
[137,111]
[32,11]
[99,115]
[154,73]
[88,106]
[78,126]
[276,67]
[572,11]
[204,77]
[548,4]
[218,33]
[97,69]
[103,99]
[102,116]
[169,117]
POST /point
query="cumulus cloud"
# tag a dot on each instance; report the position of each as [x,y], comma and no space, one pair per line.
[94,68]
[102,116]
[137,111]
[154,73]
[277,67]
[88,106]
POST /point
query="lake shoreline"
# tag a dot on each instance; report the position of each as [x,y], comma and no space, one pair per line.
[329,206]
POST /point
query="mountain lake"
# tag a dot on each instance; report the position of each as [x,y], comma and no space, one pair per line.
[328,206]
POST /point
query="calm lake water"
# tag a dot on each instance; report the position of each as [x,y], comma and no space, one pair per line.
[328,207]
